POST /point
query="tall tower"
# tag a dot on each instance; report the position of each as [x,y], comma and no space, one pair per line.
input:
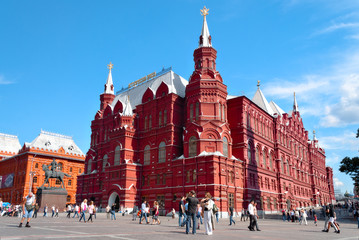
[206,121]
[108,95]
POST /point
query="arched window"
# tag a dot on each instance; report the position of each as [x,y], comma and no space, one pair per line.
[191,112]
[270,161]
[60,167]
[197,110]
[70,182]
[192,147]
[147,155]
[160,119]
[68,199]
[264,159]
[104,162]
[219,111]
[34,180]
[188,177]
[257,156]
[162,152]
[281,165]
[194,175]
[165,117]
[89,167]
[249,152]
[223,113]
[117,155]
[225,147]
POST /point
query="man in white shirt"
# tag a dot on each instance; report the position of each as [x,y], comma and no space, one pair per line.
[143,212]
[28,206]
[76,209]
[83,210]
[251,215]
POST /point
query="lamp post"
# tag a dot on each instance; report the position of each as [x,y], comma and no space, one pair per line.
[31,173]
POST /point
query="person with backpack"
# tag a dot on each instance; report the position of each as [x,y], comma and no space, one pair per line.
[231,212]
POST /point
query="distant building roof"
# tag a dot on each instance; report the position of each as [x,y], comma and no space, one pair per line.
[54,141]
[9,143]
[262,102]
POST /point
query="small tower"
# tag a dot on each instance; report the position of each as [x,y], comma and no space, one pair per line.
[108,95]
[295,105]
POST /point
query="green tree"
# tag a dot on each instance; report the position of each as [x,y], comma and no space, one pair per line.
[350,166]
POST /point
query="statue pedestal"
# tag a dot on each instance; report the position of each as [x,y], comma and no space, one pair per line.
[52,197]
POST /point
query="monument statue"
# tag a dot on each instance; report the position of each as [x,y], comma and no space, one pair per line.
[53,173]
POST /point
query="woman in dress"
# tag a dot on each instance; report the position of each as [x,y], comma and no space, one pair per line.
[155,213]
[208,213]
[91,209]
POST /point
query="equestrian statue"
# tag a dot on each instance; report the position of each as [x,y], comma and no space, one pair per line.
[53,173]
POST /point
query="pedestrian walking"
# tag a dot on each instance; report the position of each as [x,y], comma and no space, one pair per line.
[143,212]
[45,211]
[92,211]
[256,218]
[36,210]
[83,210]
[57,212]
[199,216]
[28,206]
[155,213]
[303,216]
[182,212]
[134,212]
[283,215]
[231,212]
[108,210]
[208,213]
[193,204]
[243,215]
[53,211]
[68,211]
[251,215]
[76,210]
[113,211]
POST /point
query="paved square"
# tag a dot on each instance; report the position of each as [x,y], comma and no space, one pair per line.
[124,228]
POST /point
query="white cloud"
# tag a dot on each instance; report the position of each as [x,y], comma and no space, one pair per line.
[4,81]
[337,26]
[337,182]
[346,141]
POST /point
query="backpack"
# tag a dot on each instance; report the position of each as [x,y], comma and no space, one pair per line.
[215,208]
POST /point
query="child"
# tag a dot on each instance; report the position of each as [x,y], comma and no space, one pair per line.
[315,219]
[173,213]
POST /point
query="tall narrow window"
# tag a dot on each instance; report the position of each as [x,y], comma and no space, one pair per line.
[194,175]
[146,119]
[288,172]
[219,111]
[117,155]
[225,147]
[104,162]
[249,153]
[191,112]
[264,159]
[248,120]
[257,156]
[270,161]
[165,117]
[281,165]
[34,180]
[197,110]
[150,122]
[162,152]
[160,119]
[188,177]
[147,155]
[223,113]
[192,147]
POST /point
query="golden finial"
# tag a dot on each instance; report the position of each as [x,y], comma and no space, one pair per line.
[204,11]
[110,66]
[314,132]
[258,83]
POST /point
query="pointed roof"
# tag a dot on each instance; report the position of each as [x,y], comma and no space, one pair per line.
[276,108]
[109,83]
[206,42]
[127,109]
[295,105]
[261,101]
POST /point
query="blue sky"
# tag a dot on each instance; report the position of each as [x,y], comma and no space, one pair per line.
[53,57]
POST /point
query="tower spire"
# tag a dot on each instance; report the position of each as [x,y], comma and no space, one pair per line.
[109,82]
[295,105]
[205,38]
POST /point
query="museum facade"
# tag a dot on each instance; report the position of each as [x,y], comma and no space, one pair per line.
[164,136]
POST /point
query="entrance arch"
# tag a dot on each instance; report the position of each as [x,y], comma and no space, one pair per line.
[288,204]
[114,199]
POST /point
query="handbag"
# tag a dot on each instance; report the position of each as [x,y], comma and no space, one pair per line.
[29,207]
[215,208]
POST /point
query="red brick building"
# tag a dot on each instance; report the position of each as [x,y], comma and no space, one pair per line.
[164,136]
[21,167]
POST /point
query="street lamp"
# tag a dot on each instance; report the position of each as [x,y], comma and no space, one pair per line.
[31,173]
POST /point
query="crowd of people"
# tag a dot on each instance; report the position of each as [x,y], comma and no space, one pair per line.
[192,213]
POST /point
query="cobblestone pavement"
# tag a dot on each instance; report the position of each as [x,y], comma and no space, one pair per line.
[124,228]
